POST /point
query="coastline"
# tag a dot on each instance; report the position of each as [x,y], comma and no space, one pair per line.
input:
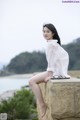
[11,83]
[19,76]
[24,78]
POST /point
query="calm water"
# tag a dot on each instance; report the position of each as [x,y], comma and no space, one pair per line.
[12,84]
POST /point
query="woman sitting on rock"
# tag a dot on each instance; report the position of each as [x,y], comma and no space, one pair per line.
[58,61]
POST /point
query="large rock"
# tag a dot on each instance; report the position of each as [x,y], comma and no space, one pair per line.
[62,98]
[7,94]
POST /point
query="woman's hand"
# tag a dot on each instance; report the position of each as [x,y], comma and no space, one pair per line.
[50,74]
[47,79]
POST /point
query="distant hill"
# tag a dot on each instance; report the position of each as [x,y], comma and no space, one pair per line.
[36,61]
[74,52]
[28,62]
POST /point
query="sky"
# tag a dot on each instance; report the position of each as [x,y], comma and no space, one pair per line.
[21,24]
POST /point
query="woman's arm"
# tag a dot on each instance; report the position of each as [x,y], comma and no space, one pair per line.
[51,58]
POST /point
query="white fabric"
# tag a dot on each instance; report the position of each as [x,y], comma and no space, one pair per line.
[57,58]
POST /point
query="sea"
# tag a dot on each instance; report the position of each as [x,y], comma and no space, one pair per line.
[12,83]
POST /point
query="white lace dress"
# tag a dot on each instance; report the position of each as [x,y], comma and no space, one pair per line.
[57,58]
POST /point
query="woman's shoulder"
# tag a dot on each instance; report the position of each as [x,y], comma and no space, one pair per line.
[52,43]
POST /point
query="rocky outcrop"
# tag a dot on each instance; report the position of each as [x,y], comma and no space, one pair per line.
[62,98]
[7,94]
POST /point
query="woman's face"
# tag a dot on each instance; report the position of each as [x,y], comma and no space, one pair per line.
[47,33]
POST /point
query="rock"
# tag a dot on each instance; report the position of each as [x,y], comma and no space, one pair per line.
[7,94]
[62,98]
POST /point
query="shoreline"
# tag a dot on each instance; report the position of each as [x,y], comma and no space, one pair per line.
[73,73]
[19,76]
[5,94]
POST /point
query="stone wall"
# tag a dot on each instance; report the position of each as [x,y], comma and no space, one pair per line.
[62,98]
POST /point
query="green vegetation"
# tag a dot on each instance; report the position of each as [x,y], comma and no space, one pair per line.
[21,106]
[74,53]
[28,62]
[36,61]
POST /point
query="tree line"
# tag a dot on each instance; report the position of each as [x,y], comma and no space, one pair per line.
[28,62]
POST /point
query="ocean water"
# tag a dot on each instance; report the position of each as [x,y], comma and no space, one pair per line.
[7,84]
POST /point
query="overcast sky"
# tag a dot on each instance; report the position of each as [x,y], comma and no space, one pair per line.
[21,24]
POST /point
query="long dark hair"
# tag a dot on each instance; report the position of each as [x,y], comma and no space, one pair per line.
[53,29]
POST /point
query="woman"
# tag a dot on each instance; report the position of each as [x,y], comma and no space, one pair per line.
[58,60]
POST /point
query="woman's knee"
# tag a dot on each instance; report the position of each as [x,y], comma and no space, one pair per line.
[31,82]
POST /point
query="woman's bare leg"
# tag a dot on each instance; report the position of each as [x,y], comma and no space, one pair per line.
[34,81]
